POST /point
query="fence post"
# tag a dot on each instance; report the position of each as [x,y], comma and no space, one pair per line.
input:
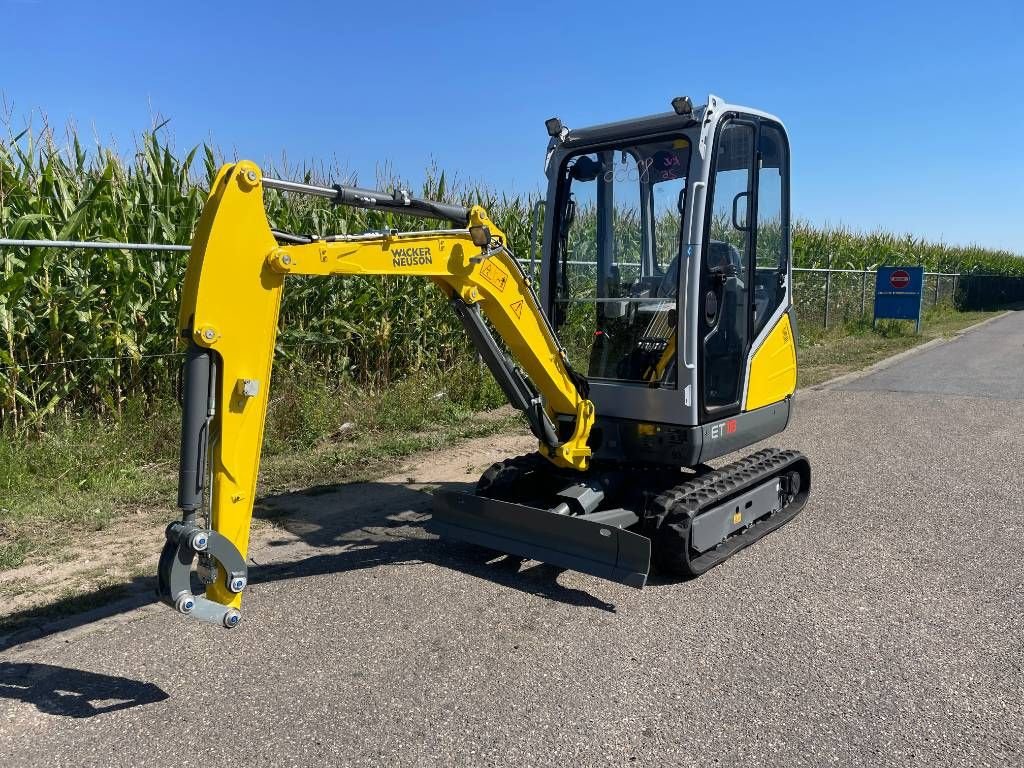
[938,278]
[863,292]
[828,287]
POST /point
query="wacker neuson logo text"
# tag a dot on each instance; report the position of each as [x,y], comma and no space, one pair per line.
[410,257]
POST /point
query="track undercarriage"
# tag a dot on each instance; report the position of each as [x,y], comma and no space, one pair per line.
[614,520]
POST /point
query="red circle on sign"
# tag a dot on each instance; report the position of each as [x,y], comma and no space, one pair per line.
[900,278]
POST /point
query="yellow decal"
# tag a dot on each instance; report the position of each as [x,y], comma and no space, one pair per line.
[680,144]
[494,274]
[517,308]
[737,518]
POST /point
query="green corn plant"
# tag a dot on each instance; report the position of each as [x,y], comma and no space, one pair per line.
[82,330]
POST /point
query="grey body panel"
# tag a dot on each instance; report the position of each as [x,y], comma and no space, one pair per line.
[628,440]
[712,527]
[750,427]
[626,400]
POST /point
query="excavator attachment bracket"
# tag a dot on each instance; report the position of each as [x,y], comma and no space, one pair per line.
[185,542]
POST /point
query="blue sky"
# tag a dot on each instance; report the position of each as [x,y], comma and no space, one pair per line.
[901,114]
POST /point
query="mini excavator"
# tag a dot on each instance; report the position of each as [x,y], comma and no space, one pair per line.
[662,337]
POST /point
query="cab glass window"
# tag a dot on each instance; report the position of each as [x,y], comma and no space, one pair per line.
[772,226]
[617,259]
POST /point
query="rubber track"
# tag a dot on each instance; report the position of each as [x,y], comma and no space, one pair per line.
[672,512]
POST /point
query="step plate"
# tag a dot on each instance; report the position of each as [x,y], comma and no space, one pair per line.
[560,540]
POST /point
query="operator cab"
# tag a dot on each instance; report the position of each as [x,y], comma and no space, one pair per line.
[666,261]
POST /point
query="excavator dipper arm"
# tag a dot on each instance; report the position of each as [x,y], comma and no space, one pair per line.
[229,318]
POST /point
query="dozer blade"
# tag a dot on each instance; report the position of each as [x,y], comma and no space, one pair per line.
[560,540]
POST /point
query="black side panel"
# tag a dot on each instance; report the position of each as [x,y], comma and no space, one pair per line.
[628,441]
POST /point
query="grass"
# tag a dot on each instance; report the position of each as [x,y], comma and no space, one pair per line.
[79,475]
[855,345]
[86,474]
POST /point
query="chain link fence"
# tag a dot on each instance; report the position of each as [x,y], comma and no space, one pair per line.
[84,327]
[831,297]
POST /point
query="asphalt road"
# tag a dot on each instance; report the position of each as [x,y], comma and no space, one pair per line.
[986,362]
[881,627]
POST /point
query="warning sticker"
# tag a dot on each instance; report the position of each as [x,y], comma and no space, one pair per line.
[494,274]
[517,307]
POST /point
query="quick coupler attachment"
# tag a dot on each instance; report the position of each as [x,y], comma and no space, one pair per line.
[219,559]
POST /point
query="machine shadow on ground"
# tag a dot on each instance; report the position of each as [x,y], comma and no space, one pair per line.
[357,525]
[73,692]
[375,524]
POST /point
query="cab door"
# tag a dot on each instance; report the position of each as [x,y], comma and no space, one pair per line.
[726,304]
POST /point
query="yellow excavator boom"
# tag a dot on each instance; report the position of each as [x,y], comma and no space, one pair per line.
[229,315]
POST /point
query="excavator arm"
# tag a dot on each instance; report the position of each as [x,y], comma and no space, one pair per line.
[229,319]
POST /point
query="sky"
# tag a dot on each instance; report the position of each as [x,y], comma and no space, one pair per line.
[899,113]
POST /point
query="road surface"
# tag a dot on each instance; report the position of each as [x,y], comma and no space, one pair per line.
[881,627]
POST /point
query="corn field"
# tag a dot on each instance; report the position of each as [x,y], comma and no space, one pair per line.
[82,330]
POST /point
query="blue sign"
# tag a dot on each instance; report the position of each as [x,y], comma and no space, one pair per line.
[898,293]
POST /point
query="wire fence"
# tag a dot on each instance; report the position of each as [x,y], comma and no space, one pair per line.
[828,297]
[64,350]
[86,326]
